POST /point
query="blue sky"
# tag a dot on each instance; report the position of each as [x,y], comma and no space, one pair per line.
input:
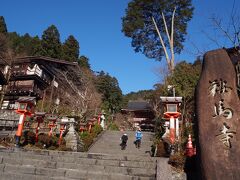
[97,27]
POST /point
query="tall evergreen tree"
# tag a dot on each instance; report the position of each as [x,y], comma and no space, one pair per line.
[83,62]
[51,45]
[170,16]
[36,46]
[3,26]
[111,93]
[70,49]
[24,45]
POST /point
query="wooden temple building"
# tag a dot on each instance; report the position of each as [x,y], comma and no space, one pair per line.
[31,76]
[38,77]
[140,114]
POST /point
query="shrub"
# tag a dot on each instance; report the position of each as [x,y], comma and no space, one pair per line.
[97,129]
[44,139]
[162,149]
[87,138]
[28,138]
[48,142]
[54,141]
[113,126]
[84,134]
[177,160]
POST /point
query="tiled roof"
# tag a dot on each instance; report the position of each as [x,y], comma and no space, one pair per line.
[138,105]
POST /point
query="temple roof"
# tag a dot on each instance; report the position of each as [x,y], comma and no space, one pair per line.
[138,105]
[170,99]
[41,59]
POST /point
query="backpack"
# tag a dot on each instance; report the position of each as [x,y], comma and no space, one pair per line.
[124,138]
[138,135]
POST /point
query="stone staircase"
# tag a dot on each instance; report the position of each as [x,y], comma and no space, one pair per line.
[109,144]
[110,163]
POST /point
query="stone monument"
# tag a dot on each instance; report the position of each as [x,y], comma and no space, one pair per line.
[218,118]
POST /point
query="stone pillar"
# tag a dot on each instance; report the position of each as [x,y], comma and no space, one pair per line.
[218,118]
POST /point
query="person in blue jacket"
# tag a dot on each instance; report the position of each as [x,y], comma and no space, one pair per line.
[138,136]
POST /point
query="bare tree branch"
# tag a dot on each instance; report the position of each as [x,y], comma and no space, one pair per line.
[214,40]
[218,24]
[170,62]
[171,44]
[161,40]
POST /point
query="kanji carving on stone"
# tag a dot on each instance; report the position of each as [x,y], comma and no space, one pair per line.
[226,135]
[219,110]
[218,86]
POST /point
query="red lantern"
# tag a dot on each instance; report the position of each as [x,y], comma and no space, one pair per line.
[25,108]
[39,118]
[52,124]
[90,124]
[62,128]
[82,127]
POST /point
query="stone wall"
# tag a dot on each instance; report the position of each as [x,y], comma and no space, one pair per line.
[8,119]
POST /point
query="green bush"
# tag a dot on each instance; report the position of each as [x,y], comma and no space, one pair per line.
[113,127]
[97,129]
[84,134]
[88,138]
[54,141]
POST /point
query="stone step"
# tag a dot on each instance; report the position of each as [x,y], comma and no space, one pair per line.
[28,172]
[105,161]
[80,161]
[25,163]
[72,156]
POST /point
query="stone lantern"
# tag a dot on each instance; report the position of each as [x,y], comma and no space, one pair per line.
[72,137]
